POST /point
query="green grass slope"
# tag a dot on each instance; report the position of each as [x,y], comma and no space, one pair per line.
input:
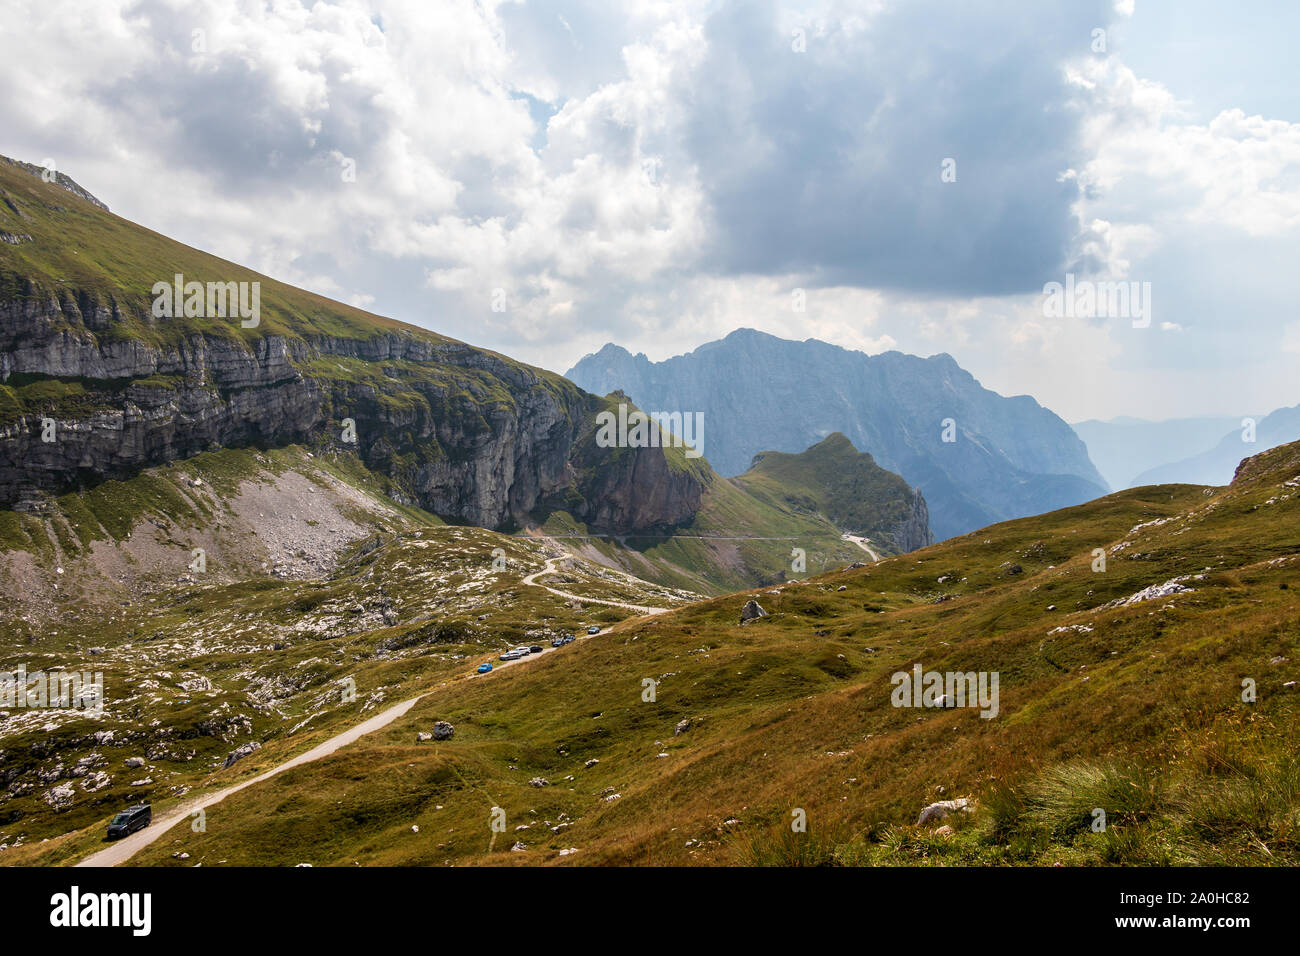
[834,480]
[1110,698]
[76,249]
[197,664]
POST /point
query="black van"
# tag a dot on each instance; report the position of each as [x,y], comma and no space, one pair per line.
[130,820]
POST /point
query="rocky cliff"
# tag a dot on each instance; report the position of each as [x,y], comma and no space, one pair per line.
[95,386]
[913,532]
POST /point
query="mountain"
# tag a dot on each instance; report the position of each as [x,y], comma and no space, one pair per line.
[97,385]
[1124,448]
[788,516]
[97,389]
[1215,465]
[1121,686]
[834,479]
[1010,457]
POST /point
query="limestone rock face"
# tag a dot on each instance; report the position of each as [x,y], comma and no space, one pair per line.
[474,437]
[914,532]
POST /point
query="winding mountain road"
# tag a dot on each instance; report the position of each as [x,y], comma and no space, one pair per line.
[550,569]
[127,847]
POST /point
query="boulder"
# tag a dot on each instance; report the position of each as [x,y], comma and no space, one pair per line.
[751,612]
[941,809]
[443,730]
[240,752]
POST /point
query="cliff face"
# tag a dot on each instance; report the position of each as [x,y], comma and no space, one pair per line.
[913,533]
[465,433]
[1007,457]
[469,435]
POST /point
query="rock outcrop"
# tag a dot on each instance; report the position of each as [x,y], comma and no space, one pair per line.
[100,377]
[477,438]
[913,532]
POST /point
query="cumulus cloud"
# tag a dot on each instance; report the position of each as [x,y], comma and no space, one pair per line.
[658,173]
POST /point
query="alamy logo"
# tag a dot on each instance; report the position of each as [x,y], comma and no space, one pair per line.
[55,690]
[1086,299]
[950,689]
[75,908]
[215,300]
[639,430]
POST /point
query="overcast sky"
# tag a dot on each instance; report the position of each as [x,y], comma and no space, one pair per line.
[658,174]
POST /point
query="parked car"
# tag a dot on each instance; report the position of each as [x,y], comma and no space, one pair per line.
[558,642]
[569,638]
[535,649]
[485,667]
[593,629]
[129,820]
[511,656]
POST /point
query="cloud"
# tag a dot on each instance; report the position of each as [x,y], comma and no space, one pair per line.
[659,173]
[829,160]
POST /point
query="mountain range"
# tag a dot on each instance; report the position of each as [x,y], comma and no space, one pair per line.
[303,554]
[978,457]
[96,387]
[1124,448]
[1216,463]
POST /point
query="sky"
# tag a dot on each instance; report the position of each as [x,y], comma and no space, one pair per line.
[541,178]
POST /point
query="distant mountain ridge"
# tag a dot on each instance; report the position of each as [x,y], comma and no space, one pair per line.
[1216,465]
[1010,458]
[1124,448]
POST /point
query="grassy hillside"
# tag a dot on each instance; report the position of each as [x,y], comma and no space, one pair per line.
[1109,699]
[74,248]
[832,479]
[261,644]
[736,539]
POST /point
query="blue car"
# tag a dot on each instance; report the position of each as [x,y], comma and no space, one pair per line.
[485,667]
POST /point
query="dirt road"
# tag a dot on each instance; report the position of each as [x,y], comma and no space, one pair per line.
[550,569]
[127,847]
[862,543]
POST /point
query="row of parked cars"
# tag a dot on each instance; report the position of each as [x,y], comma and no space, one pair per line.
[516,653]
